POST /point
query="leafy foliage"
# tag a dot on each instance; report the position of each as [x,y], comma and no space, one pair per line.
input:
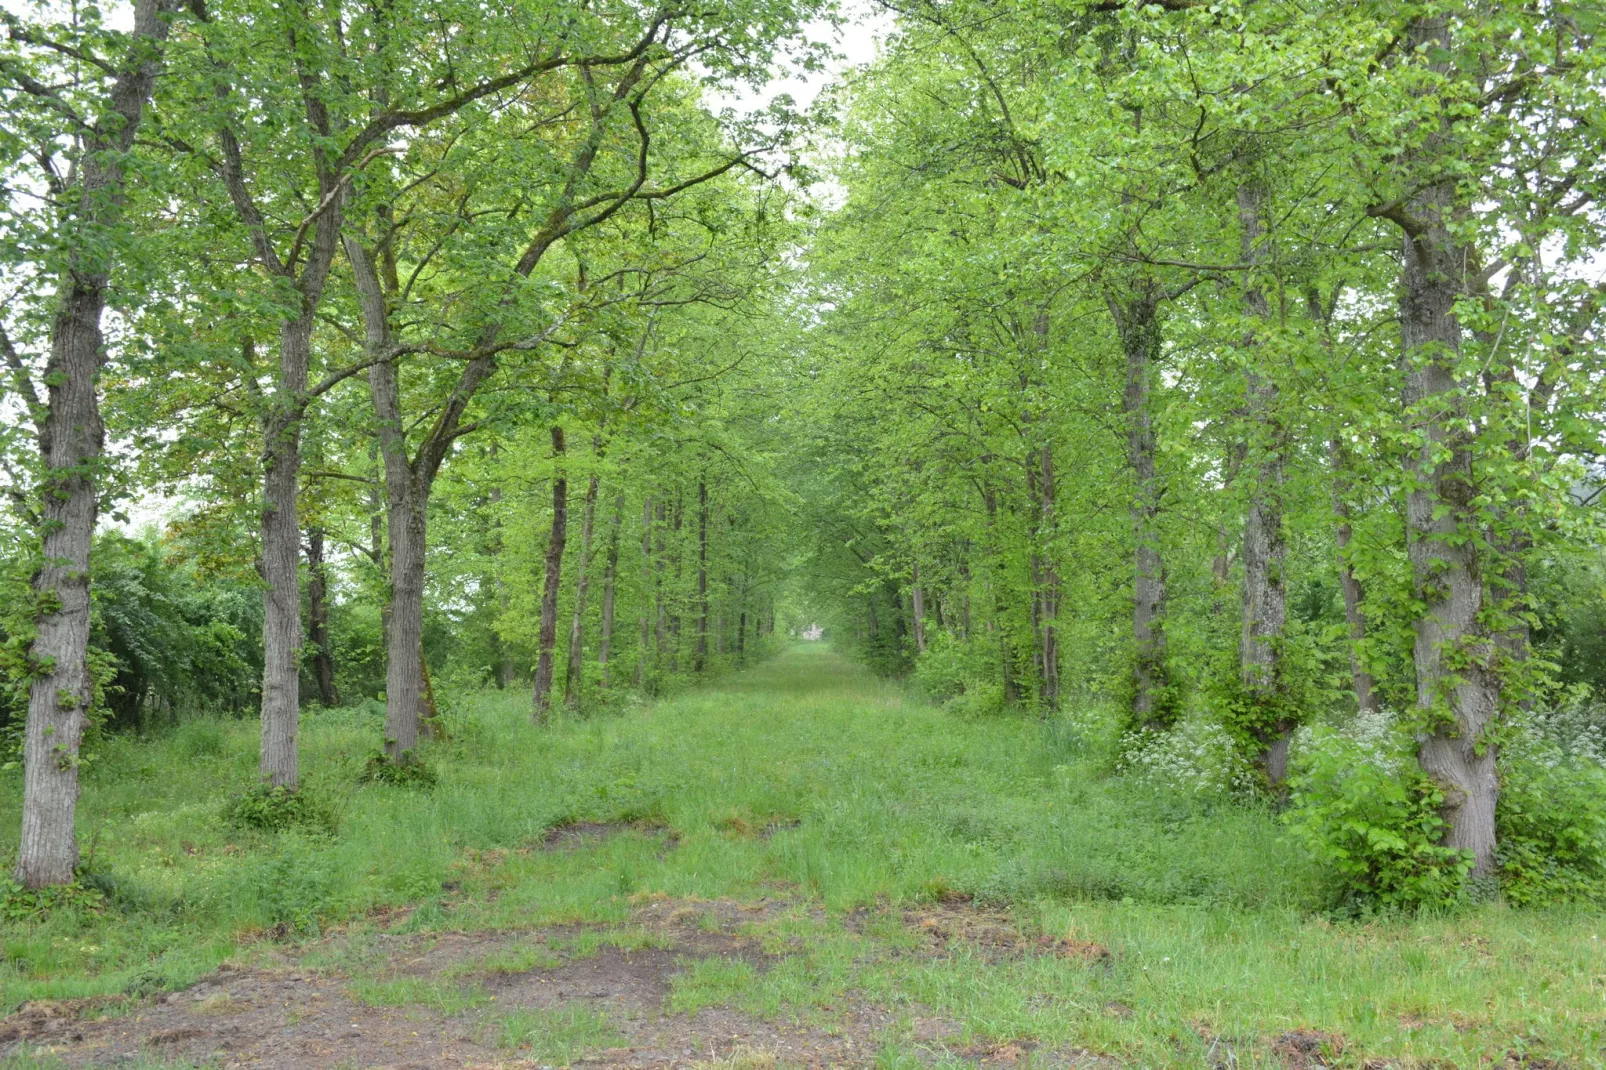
[1363,808]
[406,771]
[1552,816]
[281,809]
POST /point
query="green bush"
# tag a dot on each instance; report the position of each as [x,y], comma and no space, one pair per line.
[1364,809]
[1551,821]
[279,809]
[407,771]
[24,904]
[961,671]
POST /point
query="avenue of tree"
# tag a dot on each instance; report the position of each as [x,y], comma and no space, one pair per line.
[1235,361]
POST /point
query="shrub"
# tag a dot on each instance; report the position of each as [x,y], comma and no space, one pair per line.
[278,809]
[23,904]
[407,771]
[1551,819]
[1197,759]
[1364,808]
[959,669]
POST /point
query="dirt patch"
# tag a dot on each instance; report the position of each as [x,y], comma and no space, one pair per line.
[575,834]
[458,991]
[1304,1049]
[44,1018]
[1029,1053]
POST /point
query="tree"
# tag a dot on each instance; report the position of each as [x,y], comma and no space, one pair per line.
[75,98]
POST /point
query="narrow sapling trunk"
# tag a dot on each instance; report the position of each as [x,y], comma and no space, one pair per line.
[700,657]
[1049,583]
[553,577]
[917,607]
[1000,577]
[1354,594]
[610,579]
[678,550]
[574,669]
[661,627]
[643,623]
[323,662]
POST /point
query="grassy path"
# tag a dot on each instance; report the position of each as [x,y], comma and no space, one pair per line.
[795,865]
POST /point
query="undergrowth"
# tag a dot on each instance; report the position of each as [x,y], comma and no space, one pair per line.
[803,778]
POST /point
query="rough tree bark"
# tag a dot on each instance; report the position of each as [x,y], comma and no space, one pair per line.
[554,576]
[407,486]
[282,413]
[1137,319]
[1265,545]
[71,438]
[1456,686]
[281,416]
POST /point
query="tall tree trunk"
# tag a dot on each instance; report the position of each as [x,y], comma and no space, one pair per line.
[700,657]
[1137,318]
[574,670]
[610,579]
[1265,545]
[407,520]
[323,662]
[554,576]
[281,557]
[71,438]
[1452,652]
[282,413]
[1354,595]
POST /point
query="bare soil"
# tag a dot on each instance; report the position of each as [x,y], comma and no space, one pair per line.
[293,1017]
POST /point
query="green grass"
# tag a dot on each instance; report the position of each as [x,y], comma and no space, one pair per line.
[804,778]
[560,1035]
